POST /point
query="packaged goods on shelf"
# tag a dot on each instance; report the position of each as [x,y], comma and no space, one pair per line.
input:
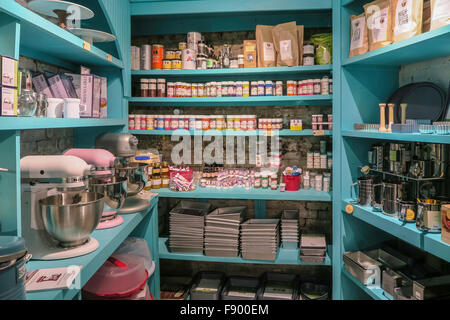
[265,46]
[8,101]
[323,43]
[8,71]
[440,14]
[285,39]
[380,35]
[359,42]
[407,21]
[250,55]
[313,248]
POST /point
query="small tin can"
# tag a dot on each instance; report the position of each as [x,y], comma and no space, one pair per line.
[182,45]
[169,54]
[146,57]
[167,64]
[176,64]
[131,122]
[157,56]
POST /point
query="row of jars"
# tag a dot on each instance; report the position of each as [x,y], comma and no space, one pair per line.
[158,88]
[192,122]
[316,181]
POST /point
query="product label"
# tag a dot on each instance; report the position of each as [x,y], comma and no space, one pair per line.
[441,9]
[286,49]
[403,17]
[358,26]
[308,61]
[269,51]
[379,25]
[433,219]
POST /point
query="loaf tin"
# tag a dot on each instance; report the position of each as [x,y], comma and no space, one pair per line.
[290,280]
[386,259]
[249,288]
[432,288]
[218,277]
[312,291]
[363,268]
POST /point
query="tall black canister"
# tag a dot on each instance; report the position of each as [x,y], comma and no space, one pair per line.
[13,259]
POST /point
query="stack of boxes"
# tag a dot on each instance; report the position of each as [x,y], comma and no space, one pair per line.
[9,94]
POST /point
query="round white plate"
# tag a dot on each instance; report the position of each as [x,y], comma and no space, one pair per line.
[91,36]
[46,8]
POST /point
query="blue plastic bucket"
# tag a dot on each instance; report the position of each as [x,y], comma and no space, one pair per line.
[13,258]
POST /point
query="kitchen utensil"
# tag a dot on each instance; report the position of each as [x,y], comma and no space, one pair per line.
[92,36]
[382,117]
[386,259]
[429,215]
[425,100]
[120,276]
[241,288]
[407,210]
[63,10]
[113,188]
[390,280]
[13,257]
[55,108]
[312,291]
[364,186]
[70,217]
[136,175]
[363,268]
[72,108]
[390,192]
[432,288]
[391,116]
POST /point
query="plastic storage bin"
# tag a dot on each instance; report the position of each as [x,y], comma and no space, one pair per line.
[291,280]
[292,182]
[252,284]
[213,280]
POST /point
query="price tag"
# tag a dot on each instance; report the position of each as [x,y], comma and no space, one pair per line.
[109,57]
[319,132]
[86,46]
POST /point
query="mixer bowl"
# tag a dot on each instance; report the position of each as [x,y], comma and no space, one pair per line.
[113,188]
[136,174]
[70,217]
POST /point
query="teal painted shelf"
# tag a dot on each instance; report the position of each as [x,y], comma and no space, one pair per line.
[24,123]
[109,240]
[320,100]
[375,293]
[417,137]
[273,73]
[284,257]
[281,133]
[241,193]
[430,45]
[43,40]
[408,232]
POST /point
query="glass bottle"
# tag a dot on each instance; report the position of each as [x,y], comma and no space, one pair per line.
[226,57]
[27,103]
[42,105]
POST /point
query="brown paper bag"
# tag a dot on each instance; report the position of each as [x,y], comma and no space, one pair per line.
[426,16]
[359,42]
[407,20]
[265,48]
[300,34]
[250,54]
[379,23]
[285,39]
[440,13]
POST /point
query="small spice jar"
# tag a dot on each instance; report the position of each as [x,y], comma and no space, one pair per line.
[231,89]
[282,187]
[213,89]
[257,181]
[224,91]
[308,59]
[319,182]
[290,88]
[306,184]
[308,47]
[137,123]
[160,122]
[325,86]
[317,86]
[131,122]
[239,90]
[220,122]
[170,90]
[156,177]
[237,122]
[161,87]
[261,88]
[219,89]
[279,88]
[194,90]
[265,181]
[240,60]
[230,123]
[167,119]
[205,123]
[174,123]
[251,122]
[245,89]
[269,88]
[254,88]
[201,90]
[145,87]
[191,123]
[199,123]
[152,88]
[150,122]
[212,122]
[188,90]
[208,89]
[274,181]
[244,123]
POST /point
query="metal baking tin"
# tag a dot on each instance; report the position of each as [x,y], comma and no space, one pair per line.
[365,269]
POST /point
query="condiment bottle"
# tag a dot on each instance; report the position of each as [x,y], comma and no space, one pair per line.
[165,177]
[156,176]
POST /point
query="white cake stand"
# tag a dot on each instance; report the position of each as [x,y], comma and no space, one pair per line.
[92,36]
[61,10]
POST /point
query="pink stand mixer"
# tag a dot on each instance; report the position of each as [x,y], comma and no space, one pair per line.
[104,181]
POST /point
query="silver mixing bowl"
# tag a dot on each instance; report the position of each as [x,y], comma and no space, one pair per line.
[70,217]
[136,174]
[114,188]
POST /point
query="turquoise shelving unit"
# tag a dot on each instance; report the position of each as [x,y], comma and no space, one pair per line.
[365,81]
[22,32]
[148,17]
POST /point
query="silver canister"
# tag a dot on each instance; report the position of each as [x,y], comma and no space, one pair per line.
[407,210]
[364,193]
[390,192]
[376,157]
[429,215]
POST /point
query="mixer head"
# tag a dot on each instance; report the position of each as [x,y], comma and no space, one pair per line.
[120,144]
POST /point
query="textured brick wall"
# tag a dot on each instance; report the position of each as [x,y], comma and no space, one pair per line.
[45,141]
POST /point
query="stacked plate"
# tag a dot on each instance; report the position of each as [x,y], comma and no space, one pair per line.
[186,226]
[222,232]
[313,248]
[289,229]
[260,239]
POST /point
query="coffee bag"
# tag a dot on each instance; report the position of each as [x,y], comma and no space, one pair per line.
[359,42]
[440,13]
[285,39]
[407,18]
[379,23]
[265,48]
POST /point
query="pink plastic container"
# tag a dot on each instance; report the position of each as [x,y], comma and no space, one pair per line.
[122,276]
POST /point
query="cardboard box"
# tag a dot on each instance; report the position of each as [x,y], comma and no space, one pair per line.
[445,232]
[84,87]
[250,60]
[97,96]
[40,85]
[57,87]
[104,98]
[8,101]
[9,67]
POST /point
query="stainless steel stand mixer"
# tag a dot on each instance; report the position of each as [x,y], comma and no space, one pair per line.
[124,147]
[58,215]
[104,181]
